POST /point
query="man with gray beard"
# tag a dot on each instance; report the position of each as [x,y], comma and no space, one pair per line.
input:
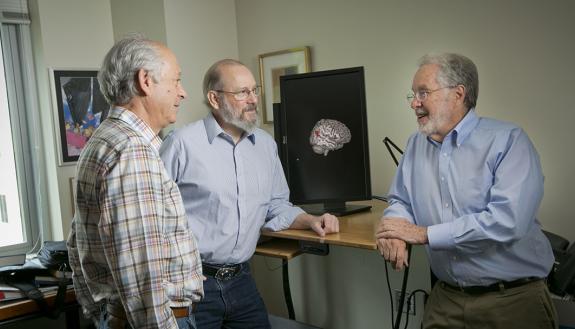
[233,185]
[468,188]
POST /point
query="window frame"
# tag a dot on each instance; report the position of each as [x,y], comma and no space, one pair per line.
[22,106]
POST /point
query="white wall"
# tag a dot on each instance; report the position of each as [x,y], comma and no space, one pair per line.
[142,16]
[200,33]
[67,34]
[525,60]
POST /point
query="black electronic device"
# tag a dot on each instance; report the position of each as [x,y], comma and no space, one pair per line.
[564,277]
[316,248]
[322,124]
[278,136]
[561,280]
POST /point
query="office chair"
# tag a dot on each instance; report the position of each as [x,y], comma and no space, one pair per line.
[561,279]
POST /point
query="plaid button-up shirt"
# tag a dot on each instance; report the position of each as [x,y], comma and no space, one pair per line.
[129,243]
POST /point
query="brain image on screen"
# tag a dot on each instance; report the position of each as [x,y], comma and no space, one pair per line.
[328,135]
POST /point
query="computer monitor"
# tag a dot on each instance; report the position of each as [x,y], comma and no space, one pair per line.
[323,128]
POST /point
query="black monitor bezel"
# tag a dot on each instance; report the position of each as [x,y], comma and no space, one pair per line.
[366,195]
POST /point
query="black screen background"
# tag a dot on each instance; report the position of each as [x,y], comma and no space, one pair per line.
[342,175]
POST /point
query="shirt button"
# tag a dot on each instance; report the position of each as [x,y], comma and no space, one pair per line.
[447,205]
[442,178]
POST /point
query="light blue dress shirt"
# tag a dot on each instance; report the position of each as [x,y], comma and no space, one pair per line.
[477,193]
[230,192]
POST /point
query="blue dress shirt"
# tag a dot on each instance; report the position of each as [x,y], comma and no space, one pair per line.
[230,192]
[477,193]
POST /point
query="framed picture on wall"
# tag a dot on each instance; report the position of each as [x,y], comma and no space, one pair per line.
[80,108]
[272,66]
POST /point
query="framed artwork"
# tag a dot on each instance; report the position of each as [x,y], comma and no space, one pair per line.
[80,108]
[272,66]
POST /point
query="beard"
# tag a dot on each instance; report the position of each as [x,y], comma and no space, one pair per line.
[240,121]
[435,122]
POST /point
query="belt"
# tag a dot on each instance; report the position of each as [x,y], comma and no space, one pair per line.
[222,272]
[498,286]
[179,312]
[183,312]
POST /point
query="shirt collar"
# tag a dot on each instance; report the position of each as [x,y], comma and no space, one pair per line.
[213,129]
[464,127]
[138,124]
[252,138]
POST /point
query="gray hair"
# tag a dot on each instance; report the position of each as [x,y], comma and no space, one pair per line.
[455,69]
[213,77]
[118,74]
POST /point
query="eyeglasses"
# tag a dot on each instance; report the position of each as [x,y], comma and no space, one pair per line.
[243,94]
[421,95]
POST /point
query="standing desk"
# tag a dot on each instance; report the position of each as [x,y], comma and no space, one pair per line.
[356,231]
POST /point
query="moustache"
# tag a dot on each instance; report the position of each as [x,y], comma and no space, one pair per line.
[249,108]
[420,112]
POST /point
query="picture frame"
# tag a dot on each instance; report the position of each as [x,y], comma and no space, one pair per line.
[272,66]
[72,183]
[80,107]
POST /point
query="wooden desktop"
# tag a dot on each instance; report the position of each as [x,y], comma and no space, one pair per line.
[356,230]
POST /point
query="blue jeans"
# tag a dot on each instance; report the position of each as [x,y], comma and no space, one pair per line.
[108,321]
[232,304]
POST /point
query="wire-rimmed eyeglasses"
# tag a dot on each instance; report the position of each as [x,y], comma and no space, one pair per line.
[243,94]
[422,94]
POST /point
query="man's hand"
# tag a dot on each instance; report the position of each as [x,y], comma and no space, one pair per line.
[322,225]
[394,251]
[400,228]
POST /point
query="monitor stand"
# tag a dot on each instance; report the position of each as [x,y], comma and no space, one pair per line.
[334,208]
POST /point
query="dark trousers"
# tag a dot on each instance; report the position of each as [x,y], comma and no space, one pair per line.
[527,307]
[234,303]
